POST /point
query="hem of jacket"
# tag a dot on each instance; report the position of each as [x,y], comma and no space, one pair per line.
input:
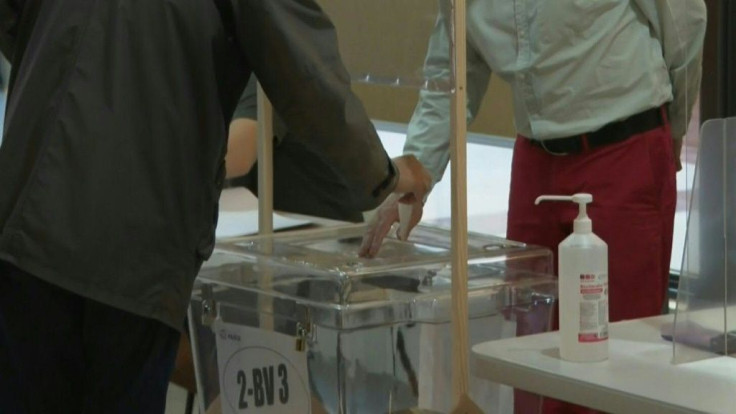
[91,292]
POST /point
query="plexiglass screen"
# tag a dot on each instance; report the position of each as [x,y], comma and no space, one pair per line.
[386,41]
[705,324]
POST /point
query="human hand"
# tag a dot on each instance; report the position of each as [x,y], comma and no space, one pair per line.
[414,180]
[383,220]
[242,147]
[407,200]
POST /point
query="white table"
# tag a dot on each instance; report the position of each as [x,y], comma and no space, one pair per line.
[243,206]
[638,377]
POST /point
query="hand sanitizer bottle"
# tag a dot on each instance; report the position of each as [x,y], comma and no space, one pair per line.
[583,288]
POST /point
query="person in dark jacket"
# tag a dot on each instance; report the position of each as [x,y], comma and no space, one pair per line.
[303,180]
[111,167]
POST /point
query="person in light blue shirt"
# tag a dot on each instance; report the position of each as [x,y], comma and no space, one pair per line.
[602,95]
[574,66]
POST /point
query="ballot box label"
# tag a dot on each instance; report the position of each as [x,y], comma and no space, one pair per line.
[260,371]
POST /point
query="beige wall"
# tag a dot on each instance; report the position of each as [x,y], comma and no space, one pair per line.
[389,38]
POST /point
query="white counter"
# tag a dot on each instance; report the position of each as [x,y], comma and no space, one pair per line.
[638,377]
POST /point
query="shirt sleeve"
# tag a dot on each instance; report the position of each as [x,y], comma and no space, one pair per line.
[291,46]
[429,131]
[9,15]
[680,27]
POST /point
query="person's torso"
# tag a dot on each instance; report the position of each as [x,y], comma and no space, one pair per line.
[112,157]
[574,65]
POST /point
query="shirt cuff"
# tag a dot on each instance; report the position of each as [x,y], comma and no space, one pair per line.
[389,183]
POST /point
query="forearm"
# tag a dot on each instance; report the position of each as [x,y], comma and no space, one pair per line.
[242,146]
[429,131]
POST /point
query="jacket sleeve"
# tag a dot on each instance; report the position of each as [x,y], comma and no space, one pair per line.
[9,16]
[679,25]
[291,46]
[428,134]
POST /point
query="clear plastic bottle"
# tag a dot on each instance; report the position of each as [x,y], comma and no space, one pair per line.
[583,288]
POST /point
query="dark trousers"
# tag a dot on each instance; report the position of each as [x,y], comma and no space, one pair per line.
[63,353]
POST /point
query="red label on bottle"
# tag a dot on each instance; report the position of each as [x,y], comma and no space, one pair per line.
[591,337]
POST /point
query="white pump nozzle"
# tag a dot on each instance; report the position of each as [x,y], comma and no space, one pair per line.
[582,223]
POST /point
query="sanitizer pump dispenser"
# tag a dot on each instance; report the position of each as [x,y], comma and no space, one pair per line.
[583,288]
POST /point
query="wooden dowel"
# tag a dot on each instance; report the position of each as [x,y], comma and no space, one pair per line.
[459,237]
[265,163]
[265,201]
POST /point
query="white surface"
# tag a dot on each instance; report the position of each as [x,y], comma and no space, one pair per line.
[239,215]
[638,378]
[260,371]
[238,199]
[245,223]
[176,400]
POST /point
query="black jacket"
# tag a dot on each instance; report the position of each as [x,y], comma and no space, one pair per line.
[303,181]
[115,133]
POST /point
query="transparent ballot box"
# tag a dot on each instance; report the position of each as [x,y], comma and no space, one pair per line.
[705,319]
[298,323]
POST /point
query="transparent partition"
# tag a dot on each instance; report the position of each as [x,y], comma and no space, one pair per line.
[399,56]
[385,46]
[334,333]
[705,320]
[385,41]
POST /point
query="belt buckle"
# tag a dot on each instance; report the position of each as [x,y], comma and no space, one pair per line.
[549,151]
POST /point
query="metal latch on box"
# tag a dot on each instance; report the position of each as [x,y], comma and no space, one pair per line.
[304,332]
[209,308]
[304,328]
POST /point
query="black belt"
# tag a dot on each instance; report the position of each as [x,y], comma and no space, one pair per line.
[609,134]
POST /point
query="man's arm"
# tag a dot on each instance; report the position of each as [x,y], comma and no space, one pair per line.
[428,134]
[292,47]
[242,141]
[242,147]
[680,27]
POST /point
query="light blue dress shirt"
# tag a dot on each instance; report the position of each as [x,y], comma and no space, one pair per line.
[573,65]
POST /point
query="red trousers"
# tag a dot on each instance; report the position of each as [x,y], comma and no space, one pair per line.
[634,197]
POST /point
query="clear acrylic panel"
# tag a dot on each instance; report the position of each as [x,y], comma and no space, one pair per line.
[418,269]
[378,337]
[706,302]
[385,41]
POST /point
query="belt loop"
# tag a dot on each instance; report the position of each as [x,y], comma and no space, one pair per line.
[584,141]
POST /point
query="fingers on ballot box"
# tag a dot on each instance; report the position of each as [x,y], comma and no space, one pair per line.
[299,323]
